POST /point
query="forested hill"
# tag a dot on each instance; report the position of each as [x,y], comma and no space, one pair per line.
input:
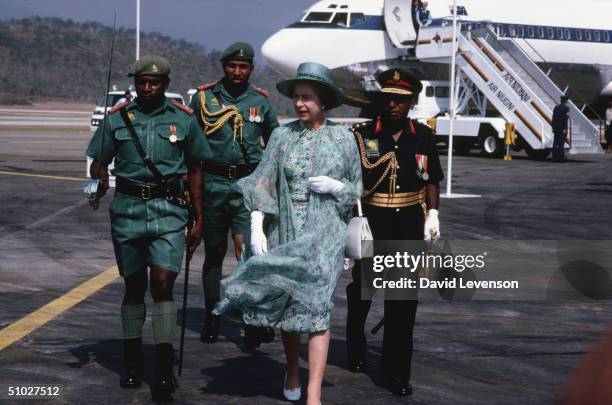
[53,57]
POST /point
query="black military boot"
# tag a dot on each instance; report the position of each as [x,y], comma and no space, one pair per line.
[210,330]
[165,382]
[132,355]
[357,312]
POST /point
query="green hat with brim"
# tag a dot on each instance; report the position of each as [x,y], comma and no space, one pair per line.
[238,51]
[318,75]
[150,65]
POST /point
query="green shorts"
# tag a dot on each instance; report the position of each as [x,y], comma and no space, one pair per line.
[147,233]
[223,209]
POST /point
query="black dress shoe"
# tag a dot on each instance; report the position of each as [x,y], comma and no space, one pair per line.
[252,338]
[356,365]
[210,331]
[398,386]
[132,355]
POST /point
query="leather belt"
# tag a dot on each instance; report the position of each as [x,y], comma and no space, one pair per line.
[228,171]
[147,191]
[398,200]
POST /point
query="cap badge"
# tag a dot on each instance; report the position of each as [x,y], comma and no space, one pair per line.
[241,53]
[396,76]
[154,68]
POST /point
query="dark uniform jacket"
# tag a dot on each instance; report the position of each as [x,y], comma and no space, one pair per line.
[560,117]
[417,141]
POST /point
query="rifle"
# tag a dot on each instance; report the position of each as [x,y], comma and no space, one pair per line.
[92,187]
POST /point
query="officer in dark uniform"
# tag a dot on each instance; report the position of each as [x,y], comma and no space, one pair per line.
[154,142]
[559,127]
[236,116]
[401,172]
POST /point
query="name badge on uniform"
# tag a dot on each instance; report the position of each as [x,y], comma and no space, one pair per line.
[371,148]
[172,138]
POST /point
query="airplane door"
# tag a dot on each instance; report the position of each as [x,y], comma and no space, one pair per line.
[399,23]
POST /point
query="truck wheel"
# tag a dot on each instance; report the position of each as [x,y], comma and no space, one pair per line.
[491,146]
[537,154]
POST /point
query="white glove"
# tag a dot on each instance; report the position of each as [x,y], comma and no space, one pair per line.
[259,243]
[432,225]
[325,185]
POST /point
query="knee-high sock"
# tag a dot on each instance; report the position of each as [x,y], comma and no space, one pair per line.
[211,278]
[132,318]
[164,322]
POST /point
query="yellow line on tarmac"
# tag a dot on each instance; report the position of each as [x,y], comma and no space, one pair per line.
[41,316]
[42,176]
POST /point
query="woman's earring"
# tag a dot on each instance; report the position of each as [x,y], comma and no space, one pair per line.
[323,107]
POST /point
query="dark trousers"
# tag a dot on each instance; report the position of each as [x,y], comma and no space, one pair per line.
[558,144]
[386,224]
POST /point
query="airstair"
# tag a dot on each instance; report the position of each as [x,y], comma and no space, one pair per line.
[521,92]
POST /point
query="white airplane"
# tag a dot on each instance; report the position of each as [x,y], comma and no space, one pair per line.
[356,37]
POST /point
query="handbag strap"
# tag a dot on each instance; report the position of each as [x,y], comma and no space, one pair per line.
[359,210]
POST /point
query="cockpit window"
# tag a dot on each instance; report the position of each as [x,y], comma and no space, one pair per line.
[317,16]
[332,6]
[345,6]
[340,19]
[357,18]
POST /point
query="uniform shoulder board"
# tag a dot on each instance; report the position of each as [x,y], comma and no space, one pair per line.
[207,86]
[119,107]
[261,91]
[182,107]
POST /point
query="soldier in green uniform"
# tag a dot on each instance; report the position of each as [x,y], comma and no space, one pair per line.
[148,214]
[235,116]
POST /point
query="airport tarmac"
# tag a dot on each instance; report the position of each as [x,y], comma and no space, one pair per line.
[60,300]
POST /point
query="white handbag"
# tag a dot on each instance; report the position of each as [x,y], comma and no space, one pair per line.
[358,231]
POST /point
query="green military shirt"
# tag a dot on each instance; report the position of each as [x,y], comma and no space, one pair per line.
[253,107]
[169,136]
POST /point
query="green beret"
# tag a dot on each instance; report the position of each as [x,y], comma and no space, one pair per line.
[151,65]
[238,51]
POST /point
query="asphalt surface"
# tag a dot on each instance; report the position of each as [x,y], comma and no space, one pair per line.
[464,353]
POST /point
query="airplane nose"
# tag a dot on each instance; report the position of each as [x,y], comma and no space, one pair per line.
[281,52]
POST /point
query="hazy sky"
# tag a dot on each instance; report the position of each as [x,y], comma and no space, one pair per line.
[213,23]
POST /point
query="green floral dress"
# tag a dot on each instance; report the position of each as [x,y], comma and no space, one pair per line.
[292,285]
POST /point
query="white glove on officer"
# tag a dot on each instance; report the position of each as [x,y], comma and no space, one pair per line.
[325,185]
[432,225]
[259,243]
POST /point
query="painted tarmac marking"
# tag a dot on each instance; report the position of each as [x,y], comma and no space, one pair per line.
[41,316]
[42,176]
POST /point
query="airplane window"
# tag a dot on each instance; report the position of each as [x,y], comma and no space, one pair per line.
[541,32]
[316,16]
[332,6]
[568,34]
[587,35]
[550,32]
[531,32]
[511,31]
[501,30]
[521,31]
[429,91]
[340,19]
[345,6]
[357,18]
[442,92]
[598,36]
[560,33]
[606,36]
[579,35]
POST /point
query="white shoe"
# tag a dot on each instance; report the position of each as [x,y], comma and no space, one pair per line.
[291,394]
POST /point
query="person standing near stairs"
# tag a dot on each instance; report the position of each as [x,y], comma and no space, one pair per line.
[559,127]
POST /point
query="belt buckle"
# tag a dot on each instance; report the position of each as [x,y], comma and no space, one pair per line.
[231,172]
[145,192]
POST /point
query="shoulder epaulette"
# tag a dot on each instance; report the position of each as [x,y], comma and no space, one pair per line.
[260,91]
[207,86]
[182,107]
[119,107]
